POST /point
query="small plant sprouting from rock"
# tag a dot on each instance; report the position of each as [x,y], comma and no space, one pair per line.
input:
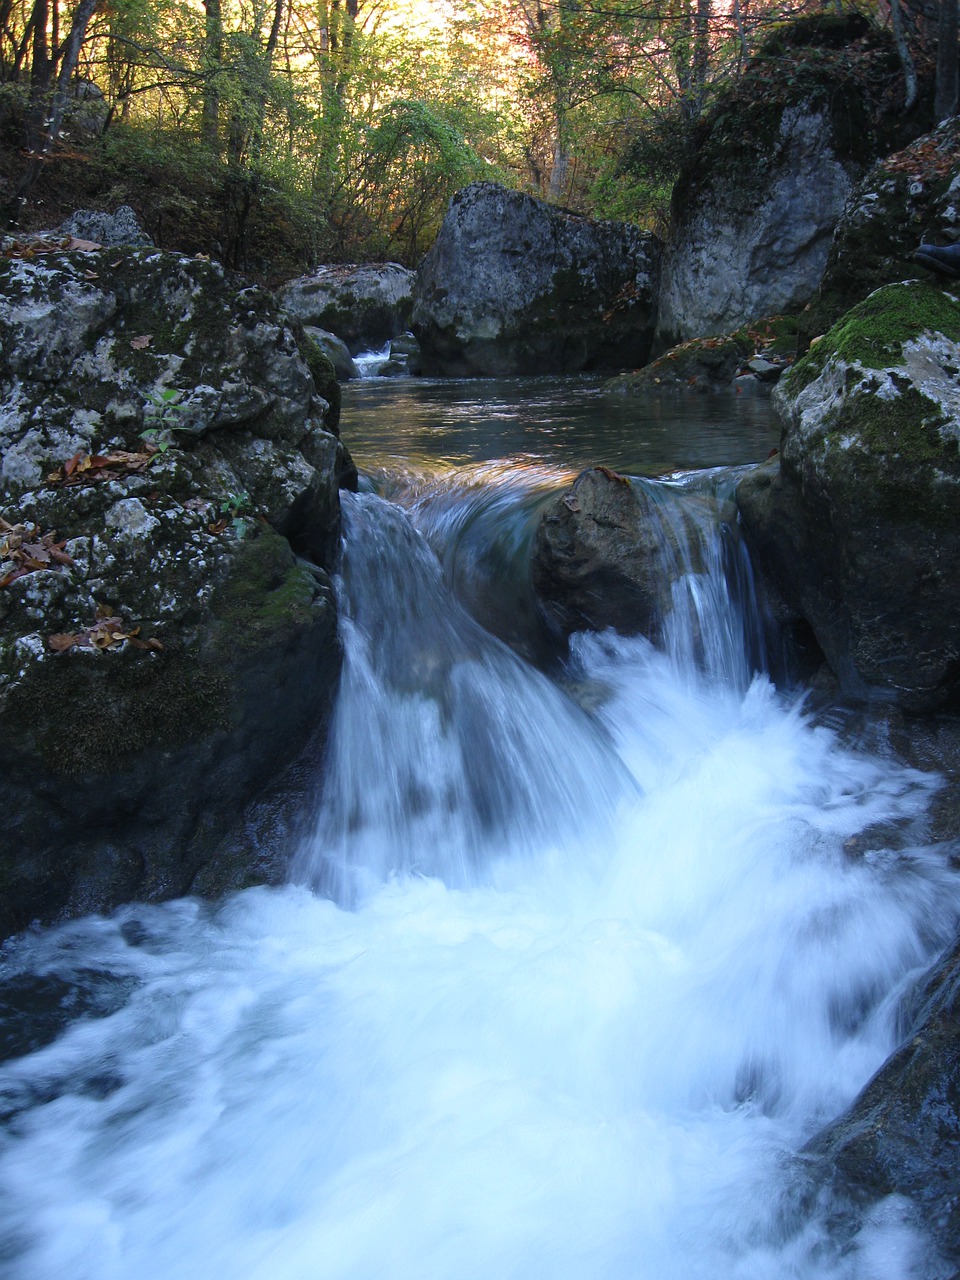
[162,410]
[236,511]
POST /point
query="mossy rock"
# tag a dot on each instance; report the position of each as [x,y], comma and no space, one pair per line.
[860,525]
[712,364]
[123,770]
[908,197]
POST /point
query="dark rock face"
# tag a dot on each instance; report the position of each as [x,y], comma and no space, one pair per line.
[364,305]
[514,285]
[858,522]
[910,196]
[163,651]
[902,1134]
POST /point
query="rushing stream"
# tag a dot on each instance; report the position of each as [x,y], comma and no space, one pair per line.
[573,959]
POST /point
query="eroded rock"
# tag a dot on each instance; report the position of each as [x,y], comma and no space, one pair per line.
[365,305]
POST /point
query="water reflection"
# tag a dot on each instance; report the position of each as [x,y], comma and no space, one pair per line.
[569,423]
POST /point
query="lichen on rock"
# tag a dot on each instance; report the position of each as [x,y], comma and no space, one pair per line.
[164,434]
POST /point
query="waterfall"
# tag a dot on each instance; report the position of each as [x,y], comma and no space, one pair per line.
[588,964]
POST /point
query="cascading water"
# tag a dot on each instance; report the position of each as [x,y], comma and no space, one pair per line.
[594,964]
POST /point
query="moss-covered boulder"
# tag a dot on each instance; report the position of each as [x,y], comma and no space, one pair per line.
[773,165]
[910,196]
[858,521]
[168,510]
[515,285]
[752,357]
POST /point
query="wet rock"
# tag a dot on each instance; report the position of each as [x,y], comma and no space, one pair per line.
[514,285]
[901,1136]
[164,652]
[721,363]
[364,305]
[606,555]
[858,521]
[336,351]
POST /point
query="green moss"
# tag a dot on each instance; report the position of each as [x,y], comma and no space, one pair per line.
[874,332]
[267,592]
[85,713]
[323,373]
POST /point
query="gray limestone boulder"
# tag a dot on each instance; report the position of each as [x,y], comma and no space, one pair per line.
[336,351]
[365,305]
[770,171]
[108,229]
[515,285]
[858,521]
[169,509]
[738,254]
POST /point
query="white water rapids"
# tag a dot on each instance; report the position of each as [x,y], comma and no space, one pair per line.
[597,967]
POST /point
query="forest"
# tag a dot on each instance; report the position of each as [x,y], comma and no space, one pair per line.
[276,134]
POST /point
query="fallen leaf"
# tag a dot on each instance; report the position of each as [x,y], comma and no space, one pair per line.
[143,340]
[63,641]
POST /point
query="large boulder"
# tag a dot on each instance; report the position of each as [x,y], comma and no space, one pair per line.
[858,521]
[515,285]
[107,229]
[755,207]
[901,1136]
[364,305]
[164,649]
[910,196]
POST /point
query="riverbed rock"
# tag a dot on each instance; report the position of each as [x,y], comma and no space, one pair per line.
[364,304]
[858,521]
[336,351]
[901,1136]
[513,285]
[751,358]
[908,197]
[169,497]
[107,229]
[755,207]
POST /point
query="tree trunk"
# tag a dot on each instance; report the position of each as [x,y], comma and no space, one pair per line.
[213,66]
[49,93]
[945,101]
[903,53]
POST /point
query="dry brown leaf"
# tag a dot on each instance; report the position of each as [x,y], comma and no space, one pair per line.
[62,641]
[141,341]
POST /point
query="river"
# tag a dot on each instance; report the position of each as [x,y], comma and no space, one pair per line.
[574,956]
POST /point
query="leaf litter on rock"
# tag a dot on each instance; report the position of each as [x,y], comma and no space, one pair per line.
[26,550]
[109,631]
[85,468]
